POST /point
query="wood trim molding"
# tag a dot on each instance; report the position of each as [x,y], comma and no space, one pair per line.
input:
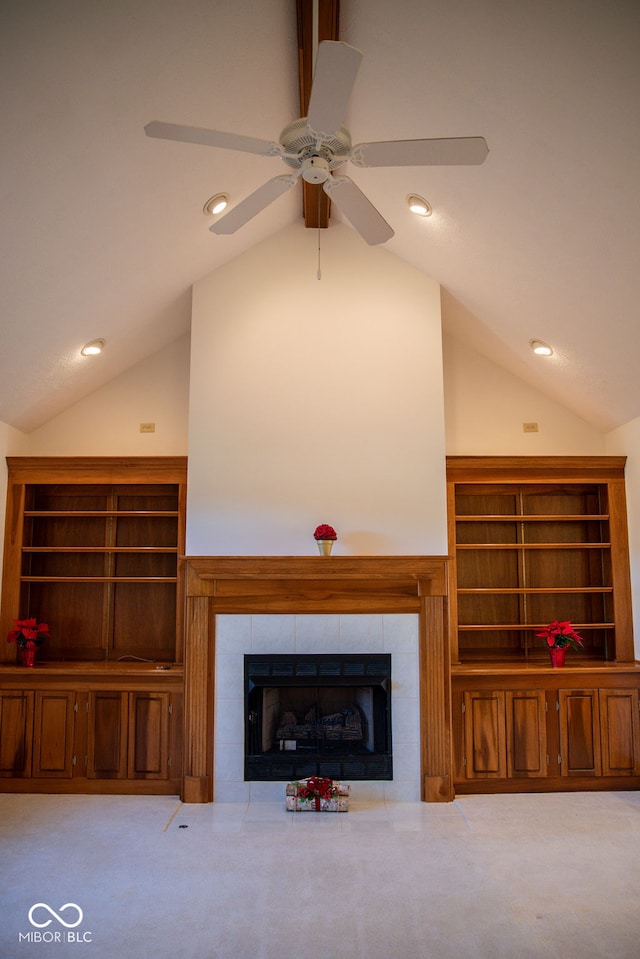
[316,206]
[294,584]
[97,469]
[493,469]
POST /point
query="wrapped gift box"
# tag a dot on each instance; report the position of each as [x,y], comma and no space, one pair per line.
[337,803]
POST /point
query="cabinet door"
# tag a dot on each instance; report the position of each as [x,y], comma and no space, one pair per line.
[148,735]
[620,732]
[107,735]
[526,728]
[484,735]
[53,735]
[580,732]
[16,722]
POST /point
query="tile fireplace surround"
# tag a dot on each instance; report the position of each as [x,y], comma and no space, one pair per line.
[355,633]
[238,605]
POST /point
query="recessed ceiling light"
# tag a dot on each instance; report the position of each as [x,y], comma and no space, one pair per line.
[92,348]
[216,204]
[541,348]
[419,205]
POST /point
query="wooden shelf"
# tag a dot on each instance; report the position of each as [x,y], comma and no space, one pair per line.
[526,590]
[98,579]
[526,627]
[529,518]
[542,505]
[100,513]
[93,549]
[522,546]
[99,549]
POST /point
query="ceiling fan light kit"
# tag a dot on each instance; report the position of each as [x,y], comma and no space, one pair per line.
[316,145]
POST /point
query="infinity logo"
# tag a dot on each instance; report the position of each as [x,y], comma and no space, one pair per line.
[67,905]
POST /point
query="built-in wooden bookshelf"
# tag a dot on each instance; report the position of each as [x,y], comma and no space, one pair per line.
[92,548]
[532,540]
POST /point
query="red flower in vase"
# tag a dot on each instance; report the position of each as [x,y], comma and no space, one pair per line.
[324,531]
[559,635]
[29,633]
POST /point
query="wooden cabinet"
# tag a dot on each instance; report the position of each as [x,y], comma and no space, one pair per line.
[484,734]
[599,732]
[92,739]
[107,738]
[546,730]
[620,723]
[534,540]
[16,725]
[579,712]
[129,735]
[92,548]
[526,740]
[53,753]
[504,734]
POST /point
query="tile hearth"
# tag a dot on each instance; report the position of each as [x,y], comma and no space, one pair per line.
[237,635]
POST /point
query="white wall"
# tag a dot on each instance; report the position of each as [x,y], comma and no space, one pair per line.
[316,401]
[107,422]
[485,407]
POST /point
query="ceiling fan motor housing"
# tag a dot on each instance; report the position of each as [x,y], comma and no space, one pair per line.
[300,143]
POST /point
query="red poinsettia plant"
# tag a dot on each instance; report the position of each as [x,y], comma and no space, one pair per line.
[28,633]
[317,787]
[559,635]
[324,531]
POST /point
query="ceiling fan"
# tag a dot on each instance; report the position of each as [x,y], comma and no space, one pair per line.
[315,147]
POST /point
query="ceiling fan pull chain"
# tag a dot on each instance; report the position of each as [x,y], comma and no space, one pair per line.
[319,274]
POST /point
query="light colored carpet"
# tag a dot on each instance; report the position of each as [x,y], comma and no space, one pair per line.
[501,877]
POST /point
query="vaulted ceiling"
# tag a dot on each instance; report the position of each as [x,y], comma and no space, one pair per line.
[104,231]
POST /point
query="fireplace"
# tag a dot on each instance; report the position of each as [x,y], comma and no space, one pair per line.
[233,602]
[318,715]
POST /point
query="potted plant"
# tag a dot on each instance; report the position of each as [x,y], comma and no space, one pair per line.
[28,635]
[559,636]
[325,536]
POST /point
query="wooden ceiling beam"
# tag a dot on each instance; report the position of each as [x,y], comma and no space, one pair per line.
[316,206]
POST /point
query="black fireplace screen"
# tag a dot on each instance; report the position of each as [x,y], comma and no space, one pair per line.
[318,715]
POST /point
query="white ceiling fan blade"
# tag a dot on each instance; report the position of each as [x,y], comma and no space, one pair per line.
[455,151]
[253,204]
[336,69]
[360,212]
[211,138]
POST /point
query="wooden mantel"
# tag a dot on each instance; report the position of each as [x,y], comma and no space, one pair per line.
[317,584]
